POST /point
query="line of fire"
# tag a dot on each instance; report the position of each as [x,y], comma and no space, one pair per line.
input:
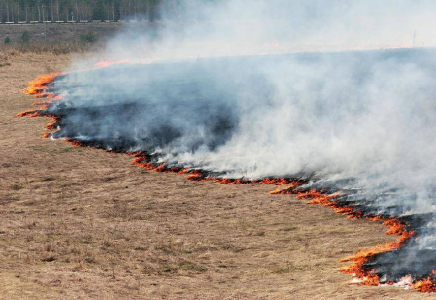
[188,111]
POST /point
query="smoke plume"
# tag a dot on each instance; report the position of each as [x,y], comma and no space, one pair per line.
[219,87]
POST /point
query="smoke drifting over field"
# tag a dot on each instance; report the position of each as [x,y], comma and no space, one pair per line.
[362,122]
[242,27]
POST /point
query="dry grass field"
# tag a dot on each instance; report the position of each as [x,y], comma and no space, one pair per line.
[57,38]
[80,223]
[57,33]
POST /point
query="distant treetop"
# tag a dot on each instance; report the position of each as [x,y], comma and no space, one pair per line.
[86,10]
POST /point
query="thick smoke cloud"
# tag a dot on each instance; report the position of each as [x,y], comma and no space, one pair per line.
[237,27]
[202,28]
[359,121]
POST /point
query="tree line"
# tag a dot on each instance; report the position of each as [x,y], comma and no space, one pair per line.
[18,11]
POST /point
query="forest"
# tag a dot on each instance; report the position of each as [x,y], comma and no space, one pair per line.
[19,11]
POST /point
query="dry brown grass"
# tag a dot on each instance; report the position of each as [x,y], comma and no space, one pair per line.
[55,38]
[45,48]
[79,223]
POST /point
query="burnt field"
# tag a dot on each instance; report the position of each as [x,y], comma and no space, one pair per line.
[184,116]
[83,223]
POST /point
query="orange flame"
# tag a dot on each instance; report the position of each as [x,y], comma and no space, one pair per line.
[29,113]
[37,86]
[110,62]
[427,285]
[198,175]
[52,124]
[396,227]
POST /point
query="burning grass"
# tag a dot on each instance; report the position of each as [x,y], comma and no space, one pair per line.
[38,86]
[142,161]
[361,274]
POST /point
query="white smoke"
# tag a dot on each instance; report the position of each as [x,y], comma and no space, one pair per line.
[244,27]
[368,116]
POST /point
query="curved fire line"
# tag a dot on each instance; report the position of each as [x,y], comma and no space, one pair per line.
[373,266]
